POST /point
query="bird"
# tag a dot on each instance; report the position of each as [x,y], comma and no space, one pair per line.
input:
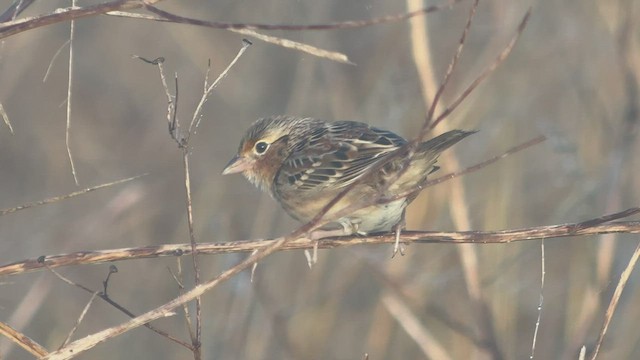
[304,163]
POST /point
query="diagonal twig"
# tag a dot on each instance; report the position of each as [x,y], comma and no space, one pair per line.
[279,41]
[624,277]
[67,196]
[5,118]
[103,295]
[478,80]
[22,340]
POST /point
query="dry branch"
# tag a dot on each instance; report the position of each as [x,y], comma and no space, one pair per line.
[351,24]
[165,310]
[120,7]
[601,225]
[22,340]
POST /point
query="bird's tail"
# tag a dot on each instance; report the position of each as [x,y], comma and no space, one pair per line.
[442,142]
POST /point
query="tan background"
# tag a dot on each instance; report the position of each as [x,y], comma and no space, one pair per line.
[565,79]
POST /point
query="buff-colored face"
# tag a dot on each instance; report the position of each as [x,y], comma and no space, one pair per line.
[260,152]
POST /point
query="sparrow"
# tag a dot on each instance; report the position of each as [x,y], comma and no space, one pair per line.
[304,163]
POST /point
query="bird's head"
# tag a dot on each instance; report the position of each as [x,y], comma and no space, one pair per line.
[262,150]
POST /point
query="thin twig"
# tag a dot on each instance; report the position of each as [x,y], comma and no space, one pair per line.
[447,76]
[420,334]
[197,114]
[194,254]
[351,24]
[67,196]
[478,80]
[119,307]
[180,281]
[79,320]
[540,302]
[279,41]
[195,121]
[440,313]
[172,100]
[9,28]
[183,144]
[65,14]
[53,60]
[488,162]
[432,92]
[174,127]
[90,341]
[383,200]
[15,9]
[69,93]
[624,277]
[5,117]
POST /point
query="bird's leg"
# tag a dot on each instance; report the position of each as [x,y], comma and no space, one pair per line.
[398,229]
[255,265]
[312,258]
[348,228]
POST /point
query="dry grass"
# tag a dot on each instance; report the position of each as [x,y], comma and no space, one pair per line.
[572,77]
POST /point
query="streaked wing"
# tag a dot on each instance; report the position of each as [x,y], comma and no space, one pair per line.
[335,154]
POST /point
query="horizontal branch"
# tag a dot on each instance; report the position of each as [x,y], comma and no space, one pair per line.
[9,28]
[17,26]
[598,226]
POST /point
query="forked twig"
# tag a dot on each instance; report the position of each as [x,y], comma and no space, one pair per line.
[208,89]
[478,80]
[90,341]
[182,139]
[103,295]
[447,76]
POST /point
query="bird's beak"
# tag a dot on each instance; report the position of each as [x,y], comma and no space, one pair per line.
[236,165]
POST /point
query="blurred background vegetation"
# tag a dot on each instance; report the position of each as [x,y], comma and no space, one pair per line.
[573,77]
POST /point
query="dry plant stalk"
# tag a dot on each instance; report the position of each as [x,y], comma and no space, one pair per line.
[67,196]
[182,140]
[262,249]
[23,341]
[624,277]
[602,225]
[10,26]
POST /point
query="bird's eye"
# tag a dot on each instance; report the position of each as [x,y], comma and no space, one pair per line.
[261,147]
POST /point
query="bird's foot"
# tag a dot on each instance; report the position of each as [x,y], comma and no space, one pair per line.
[397,247]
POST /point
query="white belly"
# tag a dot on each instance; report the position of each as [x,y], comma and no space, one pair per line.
[377,218]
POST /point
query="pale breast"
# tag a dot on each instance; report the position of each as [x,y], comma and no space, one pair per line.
[378,218]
